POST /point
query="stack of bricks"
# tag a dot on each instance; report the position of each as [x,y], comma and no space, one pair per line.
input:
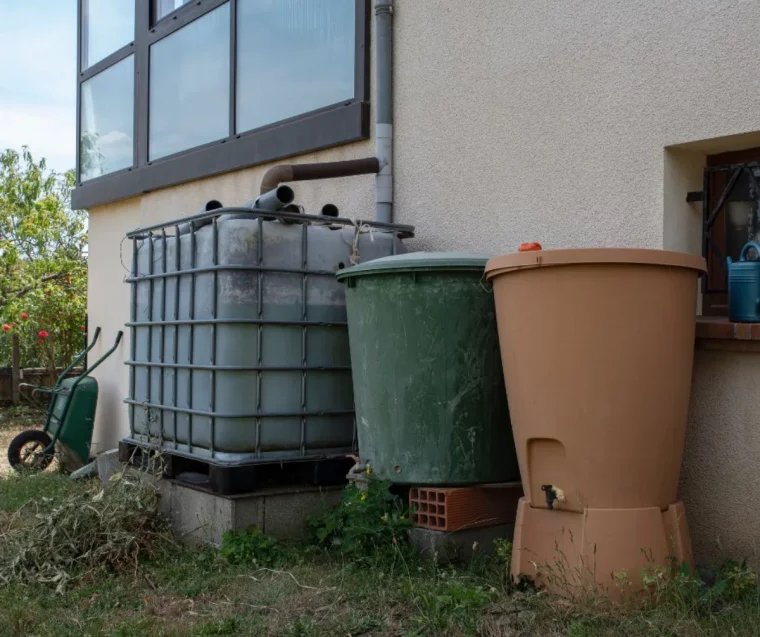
[459,508]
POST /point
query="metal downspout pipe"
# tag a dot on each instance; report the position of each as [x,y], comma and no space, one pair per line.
[384,111]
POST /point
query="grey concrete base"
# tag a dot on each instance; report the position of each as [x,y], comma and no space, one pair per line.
[445,546]
[202,518]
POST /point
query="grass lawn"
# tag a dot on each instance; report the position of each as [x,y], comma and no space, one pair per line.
[254,586]
[304,592]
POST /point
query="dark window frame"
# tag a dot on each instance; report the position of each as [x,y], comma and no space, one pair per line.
[720,175]
[340,123]
[155,19]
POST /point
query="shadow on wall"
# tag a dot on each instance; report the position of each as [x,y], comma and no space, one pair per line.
[719,478]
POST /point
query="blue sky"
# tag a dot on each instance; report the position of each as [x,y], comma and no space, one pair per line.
[38,78]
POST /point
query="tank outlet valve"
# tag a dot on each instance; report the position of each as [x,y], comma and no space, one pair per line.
[553,494]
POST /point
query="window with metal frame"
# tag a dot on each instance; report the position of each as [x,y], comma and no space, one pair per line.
[314,62]
[188,96]
[731,218]
[106,124]
[162,8]
[106,26]
[218,85]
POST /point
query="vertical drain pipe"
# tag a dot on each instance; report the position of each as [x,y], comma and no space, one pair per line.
[384,108]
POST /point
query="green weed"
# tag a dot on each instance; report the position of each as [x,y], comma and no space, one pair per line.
[251,547]
[367,523]
[452,604]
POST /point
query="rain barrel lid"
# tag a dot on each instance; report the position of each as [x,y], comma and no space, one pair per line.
[545,258]
[418,262]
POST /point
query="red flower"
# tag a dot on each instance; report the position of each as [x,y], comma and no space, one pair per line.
[83,328]
[24,316]
[6,327]
[47,292]
[42,334]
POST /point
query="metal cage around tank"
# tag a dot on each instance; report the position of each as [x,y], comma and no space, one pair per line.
[239,343]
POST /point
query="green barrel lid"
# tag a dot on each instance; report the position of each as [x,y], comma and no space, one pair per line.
[418,262]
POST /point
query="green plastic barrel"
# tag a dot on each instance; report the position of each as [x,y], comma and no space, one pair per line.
[431,408]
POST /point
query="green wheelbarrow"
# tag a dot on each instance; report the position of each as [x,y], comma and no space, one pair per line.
[69,423]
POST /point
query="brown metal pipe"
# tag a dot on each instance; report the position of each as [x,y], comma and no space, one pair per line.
[326,170]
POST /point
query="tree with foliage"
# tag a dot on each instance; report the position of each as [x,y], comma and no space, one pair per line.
[43,262]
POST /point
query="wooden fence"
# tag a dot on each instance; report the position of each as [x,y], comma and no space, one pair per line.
[33,376]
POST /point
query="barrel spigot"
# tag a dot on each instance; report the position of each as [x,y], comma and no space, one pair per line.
[553,494]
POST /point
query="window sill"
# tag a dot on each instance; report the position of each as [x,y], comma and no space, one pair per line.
[717,332]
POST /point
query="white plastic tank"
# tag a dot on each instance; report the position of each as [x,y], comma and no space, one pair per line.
[239,338]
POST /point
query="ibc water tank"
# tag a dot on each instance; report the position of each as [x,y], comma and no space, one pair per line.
[239,349]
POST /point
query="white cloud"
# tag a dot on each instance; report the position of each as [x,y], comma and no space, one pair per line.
[114,138]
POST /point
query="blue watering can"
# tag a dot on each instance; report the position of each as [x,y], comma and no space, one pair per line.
[744,287]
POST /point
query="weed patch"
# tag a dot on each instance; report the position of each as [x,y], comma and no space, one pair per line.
[251,547]
[372,523]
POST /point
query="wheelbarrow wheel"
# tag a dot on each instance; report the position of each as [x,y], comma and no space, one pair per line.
[25,451]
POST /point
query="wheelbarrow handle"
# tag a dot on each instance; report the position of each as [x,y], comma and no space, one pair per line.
[62,417]
[79,358]
[90,369]
[37,389]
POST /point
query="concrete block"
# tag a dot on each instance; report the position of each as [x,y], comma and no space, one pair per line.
[452,546]
[196,516]
[286,511]
[108,464]
[201,517]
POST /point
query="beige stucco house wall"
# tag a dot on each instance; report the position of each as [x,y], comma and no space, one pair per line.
[573,123]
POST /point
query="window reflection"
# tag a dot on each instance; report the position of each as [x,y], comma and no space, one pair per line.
[294,56]
[107,25]
[107,121]
[162,8]
[190,85]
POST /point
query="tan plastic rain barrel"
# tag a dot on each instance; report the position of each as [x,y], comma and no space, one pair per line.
[597,347]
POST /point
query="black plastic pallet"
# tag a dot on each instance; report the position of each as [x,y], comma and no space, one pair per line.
[244,478]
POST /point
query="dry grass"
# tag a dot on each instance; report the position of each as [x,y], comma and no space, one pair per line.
[50,541]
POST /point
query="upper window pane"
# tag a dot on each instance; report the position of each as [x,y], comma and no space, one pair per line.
[190,85]
[107,120]
[294,56]
[107,25]
[162,8]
